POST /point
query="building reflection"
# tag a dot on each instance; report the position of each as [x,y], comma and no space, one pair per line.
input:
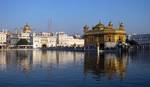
[110,65]
[21,59]
[26,60]
[2,61]
[55,58]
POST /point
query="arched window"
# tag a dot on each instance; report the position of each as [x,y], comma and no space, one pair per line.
[109,39]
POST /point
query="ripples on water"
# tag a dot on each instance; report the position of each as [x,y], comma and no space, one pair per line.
[71,69]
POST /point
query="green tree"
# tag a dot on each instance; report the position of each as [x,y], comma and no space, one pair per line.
[22,42]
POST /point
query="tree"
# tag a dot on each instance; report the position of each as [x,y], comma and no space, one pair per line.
[22,42]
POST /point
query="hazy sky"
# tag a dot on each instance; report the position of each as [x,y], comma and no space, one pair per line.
[71,15]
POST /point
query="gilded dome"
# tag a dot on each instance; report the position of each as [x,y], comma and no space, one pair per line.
[99,25]
[110,24]
[86,27]
[121,26]
[26,29]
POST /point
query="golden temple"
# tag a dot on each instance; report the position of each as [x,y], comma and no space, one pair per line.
[104,36]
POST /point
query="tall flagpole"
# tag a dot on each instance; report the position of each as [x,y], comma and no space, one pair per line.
[49,24]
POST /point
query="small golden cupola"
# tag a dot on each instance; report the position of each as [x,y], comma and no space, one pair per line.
[99,26]
[26,29]
[110,25]
[121,26]
[86,28]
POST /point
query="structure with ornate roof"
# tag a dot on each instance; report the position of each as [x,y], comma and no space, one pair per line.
[104,36]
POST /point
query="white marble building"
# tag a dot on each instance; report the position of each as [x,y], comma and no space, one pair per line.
[3,37]
[141,38]
[66,40]
[13,39]
[43,40]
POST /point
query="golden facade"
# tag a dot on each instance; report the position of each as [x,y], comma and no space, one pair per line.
[101,34]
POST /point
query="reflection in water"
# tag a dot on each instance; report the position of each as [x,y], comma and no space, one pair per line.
[32,59]
[38,68]
[22,59]
[2,60]
[59,58]
[109,64]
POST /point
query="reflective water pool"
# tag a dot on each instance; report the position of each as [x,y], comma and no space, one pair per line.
[36,68]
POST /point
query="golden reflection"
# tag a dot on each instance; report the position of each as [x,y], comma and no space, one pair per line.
[24,59]
[106,64]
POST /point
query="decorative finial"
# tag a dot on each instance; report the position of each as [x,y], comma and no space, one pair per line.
[86,27]
[121,26]
[110,23]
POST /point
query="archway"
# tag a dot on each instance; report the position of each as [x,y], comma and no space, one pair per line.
[44,46]
[102,46]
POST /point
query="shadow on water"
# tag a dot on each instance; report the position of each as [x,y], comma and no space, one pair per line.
[107,65]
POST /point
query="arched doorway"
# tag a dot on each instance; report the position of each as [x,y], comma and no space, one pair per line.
[101,46]
[44,46]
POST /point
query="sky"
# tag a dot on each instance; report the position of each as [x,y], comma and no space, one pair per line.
[71,15]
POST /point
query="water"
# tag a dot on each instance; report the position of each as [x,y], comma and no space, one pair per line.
[36,68]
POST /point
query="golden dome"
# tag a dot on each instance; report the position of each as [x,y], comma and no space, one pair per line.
[86,28]
[26,29]
[110,25]
[121,26]
[99,25]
